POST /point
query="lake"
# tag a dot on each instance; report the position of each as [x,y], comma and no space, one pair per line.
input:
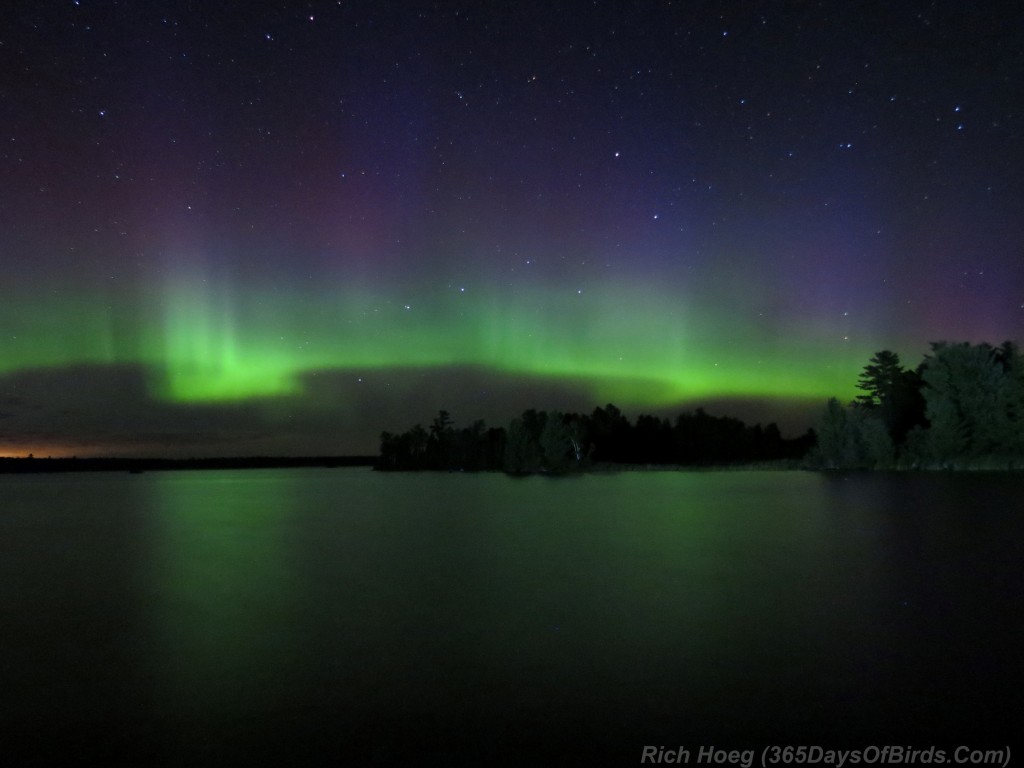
[314,616]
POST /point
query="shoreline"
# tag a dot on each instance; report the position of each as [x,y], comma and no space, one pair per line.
[31,465]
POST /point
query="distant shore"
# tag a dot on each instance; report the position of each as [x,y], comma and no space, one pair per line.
[31,465]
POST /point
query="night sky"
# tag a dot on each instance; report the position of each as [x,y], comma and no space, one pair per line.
[280,228]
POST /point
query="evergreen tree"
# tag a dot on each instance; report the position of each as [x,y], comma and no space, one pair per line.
[555,445]
[894,392]
[879,378]
[610,432]
[440,444]
[522,450]
[853,437]
[970,400]
[1009,357]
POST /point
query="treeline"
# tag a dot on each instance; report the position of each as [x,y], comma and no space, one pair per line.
[556,442]
[961,407]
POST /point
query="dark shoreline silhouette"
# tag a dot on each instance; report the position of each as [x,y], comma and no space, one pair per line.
[961,408]
[31,465]
[605,440]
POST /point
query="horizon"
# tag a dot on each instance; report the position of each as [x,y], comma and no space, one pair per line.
[791,424]
[259,231]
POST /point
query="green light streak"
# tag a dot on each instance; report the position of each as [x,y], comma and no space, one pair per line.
[205,341]
[55,330]
[225,589]
[206,358]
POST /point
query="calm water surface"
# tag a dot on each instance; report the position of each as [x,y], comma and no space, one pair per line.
[340,616]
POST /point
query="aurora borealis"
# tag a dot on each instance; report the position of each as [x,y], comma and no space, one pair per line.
[281,228]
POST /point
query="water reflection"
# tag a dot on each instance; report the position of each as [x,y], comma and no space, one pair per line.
[224,603]
[948,549]
[311,615]
[73,667]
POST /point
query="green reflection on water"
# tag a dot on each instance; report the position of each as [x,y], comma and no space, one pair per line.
[352,604]
[224,591]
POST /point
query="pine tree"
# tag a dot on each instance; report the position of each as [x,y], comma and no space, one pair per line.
[969,395]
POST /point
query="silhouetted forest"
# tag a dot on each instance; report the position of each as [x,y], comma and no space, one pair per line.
[961,407]
[555,442]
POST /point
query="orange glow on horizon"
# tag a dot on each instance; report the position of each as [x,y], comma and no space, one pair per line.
[40,451]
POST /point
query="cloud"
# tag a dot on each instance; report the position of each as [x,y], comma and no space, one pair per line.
[110,410]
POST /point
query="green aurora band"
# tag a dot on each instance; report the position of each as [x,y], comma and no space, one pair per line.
[203,340]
